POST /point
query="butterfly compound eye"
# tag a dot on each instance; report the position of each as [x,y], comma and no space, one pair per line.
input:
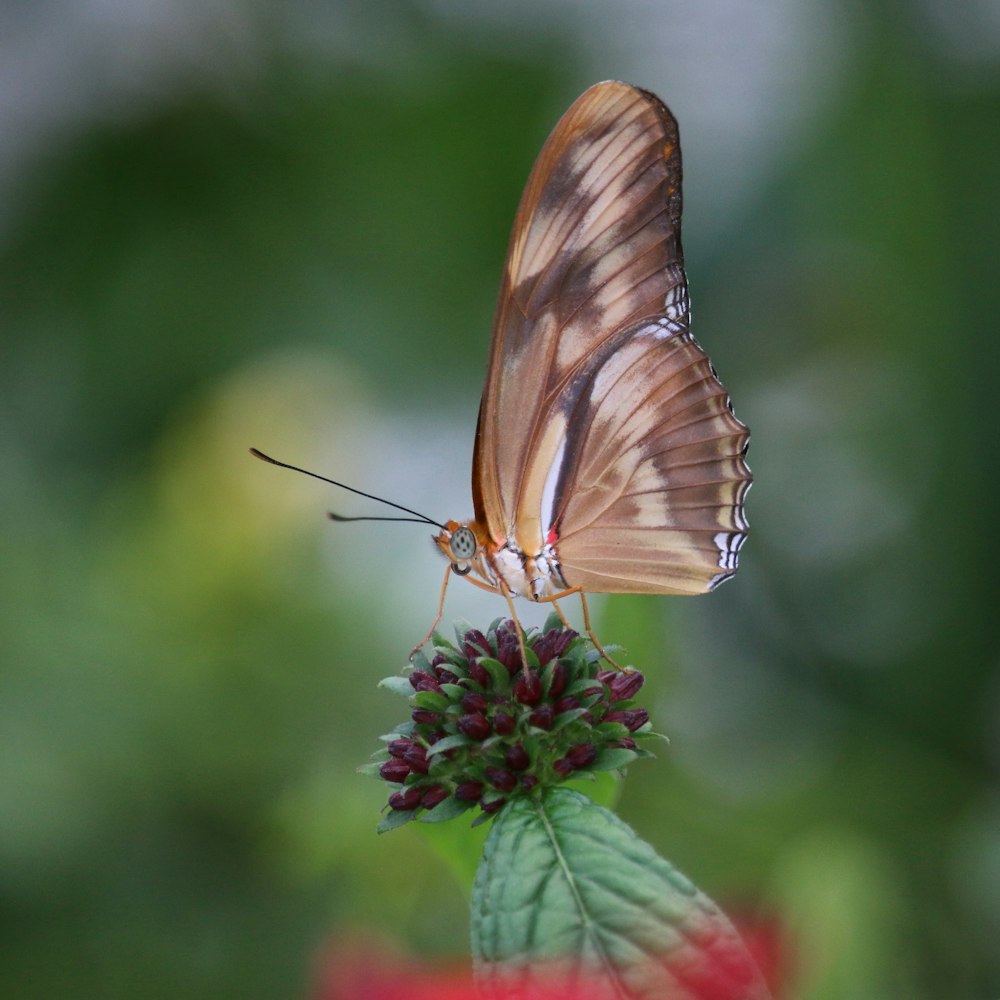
[463,544]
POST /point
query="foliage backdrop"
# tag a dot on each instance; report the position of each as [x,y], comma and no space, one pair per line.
[222,226]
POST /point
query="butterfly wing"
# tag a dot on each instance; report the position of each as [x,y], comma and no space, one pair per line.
[603,428]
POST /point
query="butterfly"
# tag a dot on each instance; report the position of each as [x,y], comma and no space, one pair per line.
[607,457]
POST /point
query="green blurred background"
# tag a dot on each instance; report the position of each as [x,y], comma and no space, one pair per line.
[232,223]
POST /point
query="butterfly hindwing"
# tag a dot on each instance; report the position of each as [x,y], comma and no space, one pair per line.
[652,479]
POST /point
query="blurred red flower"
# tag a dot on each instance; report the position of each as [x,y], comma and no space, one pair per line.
[363,967]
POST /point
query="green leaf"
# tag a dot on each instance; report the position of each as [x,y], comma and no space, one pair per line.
[531,658]
[567,892]
[440,643]
[446,809]
[395,818]
[397,685]
[481,820]
[612,758]
[399,732]
[461,626]
[552,622]
[612,730]
[420,662]
[431,701]
[371,770]
[585,686]
[498,673]
[563,719]
[548,672]
[449,743]
[455,660]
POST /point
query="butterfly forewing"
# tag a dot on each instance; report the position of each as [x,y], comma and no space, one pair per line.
[603,428]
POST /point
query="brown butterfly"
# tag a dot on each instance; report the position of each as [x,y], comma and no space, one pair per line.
[607,456]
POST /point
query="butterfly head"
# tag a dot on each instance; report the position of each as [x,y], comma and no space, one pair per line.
[461,546]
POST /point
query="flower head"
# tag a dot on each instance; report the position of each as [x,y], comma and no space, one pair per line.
[485,726]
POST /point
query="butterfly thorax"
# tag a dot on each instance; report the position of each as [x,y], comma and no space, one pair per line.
[501,564]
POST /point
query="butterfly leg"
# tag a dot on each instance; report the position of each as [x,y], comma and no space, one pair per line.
[440,614]
[508,597]
[517,625]
[559,611]
[590,631]
[586,620]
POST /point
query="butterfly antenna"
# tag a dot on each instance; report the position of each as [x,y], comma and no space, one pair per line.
[341,519]
[417,517]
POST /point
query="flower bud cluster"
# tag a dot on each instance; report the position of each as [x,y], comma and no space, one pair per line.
[484,726]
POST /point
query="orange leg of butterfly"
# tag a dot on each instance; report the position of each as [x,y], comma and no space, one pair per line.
[437,618]
[508,597]
[482,586]
[510,604]
[586,619]
[505,592]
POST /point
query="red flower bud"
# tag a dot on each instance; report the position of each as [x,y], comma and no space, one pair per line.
[475,725]
[582,755]
[469,791]
[399,747]
[474,644]
[434,795]
[423,715]
[479,674]
[421,681]
[558,683]
[528,688]
[553,644]
[474,702]
[501,779]
[633,718]
[528,781]
[625,743]
[503,723]
[394,771]
[406,800]
[579,756]
[625,685]
[508,648]
[442,670]
[491,807]
[566,704]
[517,758]
[542,717]
[416,757]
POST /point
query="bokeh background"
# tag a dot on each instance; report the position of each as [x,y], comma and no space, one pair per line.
[233,223]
